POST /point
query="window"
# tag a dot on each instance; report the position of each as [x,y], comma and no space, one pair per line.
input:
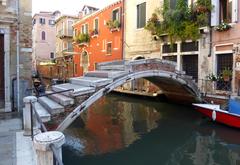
[166,48]
[225,11]
[104,45]
[224,61]
[189,46]
[51,22]
[170,58]
[96,24]
[116,15]
[34,21]
[173,4]
[109,48]
[75,32]
[42,20]
[43,35]
[51,55]
[85,29]
[141,15]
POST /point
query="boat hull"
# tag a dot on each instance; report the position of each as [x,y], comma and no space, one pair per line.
[220,116]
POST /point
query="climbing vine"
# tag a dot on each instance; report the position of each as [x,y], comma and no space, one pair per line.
[180,23]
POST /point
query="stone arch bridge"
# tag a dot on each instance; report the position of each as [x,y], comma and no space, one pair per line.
[65,102]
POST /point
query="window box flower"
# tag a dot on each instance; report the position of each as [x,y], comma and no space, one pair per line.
[113,25]
[222,27]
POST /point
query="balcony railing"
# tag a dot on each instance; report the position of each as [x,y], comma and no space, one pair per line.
[65,33]
[220,87]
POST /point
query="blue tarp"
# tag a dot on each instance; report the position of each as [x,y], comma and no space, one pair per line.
[234,106]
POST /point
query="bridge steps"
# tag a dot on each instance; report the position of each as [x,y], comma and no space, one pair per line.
[78,90]
[42,112]
[51,106]
[61,99]
[106,74]
[91,81]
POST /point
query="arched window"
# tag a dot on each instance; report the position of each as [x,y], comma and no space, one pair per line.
[43,35]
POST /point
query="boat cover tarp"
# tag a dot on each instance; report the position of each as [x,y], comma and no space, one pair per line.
[234,106]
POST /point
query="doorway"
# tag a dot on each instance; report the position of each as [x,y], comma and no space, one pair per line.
[2,85]
[190,65]
[85,61]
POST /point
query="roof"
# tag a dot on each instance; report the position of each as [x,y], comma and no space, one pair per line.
[97,12]
[90,7]
[67,16]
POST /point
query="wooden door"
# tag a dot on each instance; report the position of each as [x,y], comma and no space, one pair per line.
[1,67]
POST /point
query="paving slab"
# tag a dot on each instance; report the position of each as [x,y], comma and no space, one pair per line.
[25,153]
[78,90]
[90,81]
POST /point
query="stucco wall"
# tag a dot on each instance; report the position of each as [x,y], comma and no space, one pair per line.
[140,41]
[96,48]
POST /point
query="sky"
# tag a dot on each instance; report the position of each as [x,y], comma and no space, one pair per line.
[70,7]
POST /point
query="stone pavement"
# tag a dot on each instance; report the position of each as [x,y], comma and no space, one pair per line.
[15,149]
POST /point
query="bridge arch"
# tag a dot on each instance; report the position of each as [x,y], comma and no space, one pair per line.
[159,77]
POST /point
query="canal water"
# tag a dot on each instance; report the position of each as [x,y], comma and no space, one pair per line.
[120,130]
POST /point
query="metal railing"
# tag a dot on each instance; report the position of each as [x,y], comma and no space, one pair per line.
[57,159]
[43,128]
[220,87]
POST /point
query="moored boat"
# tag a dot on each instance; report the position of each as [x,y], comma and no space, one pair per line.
[230,116]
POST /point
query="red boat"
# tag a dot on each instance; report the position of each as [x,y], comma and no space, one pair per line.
[230,117]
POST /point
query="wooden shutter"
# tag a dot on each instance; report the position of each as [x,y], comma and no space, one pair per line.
[215,13]
[234,10]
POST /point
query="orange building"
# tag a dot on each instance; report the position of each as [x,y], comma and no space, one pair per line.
[98,38]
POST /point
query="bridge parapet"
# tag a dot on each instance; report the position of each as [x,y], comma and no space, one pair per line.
[138,65]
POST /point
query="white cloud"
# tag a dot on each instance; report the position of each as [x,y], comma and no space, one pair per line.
[67,6]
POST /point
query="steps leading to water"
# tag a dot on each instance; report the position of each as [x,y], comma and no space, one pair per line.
[51,106]
[61,99]
[90,81]
[78,90]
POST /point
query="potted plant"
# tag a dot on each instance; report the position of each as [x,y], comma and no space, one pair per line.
[222,27]
[94,32]
[226,74]
[113,25]
[212,77]
[82,38]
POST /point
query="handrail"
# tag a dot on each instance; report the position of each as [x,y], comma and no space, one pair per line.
[48,94]
[44,129]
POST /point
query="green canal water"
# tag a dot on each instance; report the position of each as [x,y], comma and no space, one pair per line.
[120,130]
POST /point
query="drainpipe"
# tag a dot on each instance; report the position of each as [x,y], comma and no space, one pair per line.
[123,29]
[18,52]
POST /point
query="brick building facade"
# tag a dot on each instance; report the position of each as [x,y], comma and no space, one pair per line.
[9,19]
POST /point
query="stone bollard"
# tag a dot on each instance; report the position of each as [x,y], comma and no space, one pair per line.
[42,144]
[27,115]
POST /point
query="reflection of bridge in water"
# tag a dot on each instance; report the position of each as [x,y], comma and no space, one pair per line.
[63,108]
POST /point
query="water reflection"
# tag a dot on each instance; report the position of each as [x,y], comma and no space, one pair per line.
[120,130]
[111,125]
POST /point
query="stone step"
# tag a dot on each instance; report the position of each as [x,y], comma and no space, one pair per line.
[90,81]
[112,67]
[42,112]
[61,99]
[106,74]
[78,90]
[51,106]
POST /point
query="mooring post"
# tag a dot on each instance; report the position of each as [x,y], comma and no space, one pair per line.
[27,120]
[44,144]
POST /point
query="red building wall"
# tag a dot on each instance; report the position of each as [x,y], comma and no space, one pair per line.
[97,46]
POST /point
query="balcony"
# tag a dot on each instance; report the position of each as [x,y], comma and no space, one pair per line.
[65,34]
[3,2]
